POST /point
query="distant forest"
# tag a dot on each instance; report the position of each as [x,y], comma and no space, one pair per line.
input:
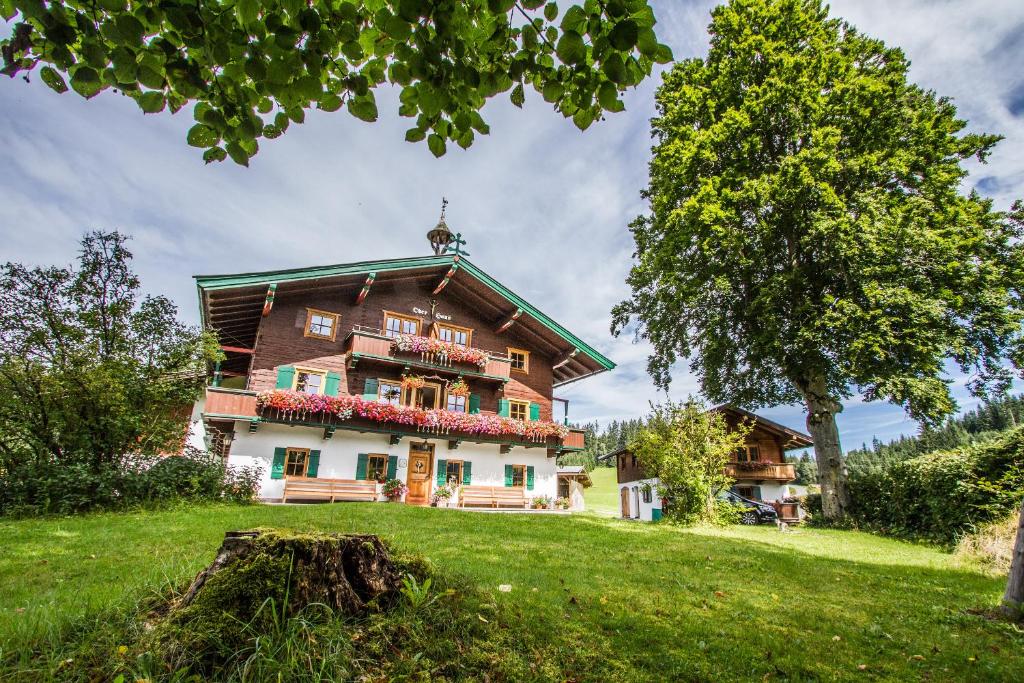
[975,426]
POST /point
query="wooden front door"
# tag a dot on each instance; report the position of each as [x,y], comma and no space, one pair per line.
[421,459]
[624,496]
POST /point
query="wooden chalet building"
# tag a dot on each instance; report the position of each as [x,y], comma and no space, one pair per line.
[426,370]
[759,468]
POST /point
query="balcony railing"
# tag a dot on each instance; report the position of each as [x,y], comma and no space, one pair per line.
[761,470]
[241,405]
[370,343]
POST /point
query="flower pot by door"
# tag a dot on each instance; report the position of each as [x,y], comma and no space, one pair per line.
[421,458]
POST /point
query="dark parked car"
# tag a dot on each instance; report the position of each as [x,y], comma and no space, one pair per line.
[756,512]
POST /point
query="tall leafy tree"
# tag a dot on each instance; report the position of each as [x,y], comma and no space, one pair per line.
[253,67]
[808,239]
[91,376]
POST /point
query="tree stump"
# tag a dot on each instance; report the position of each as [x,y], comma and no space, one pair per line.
[342,572]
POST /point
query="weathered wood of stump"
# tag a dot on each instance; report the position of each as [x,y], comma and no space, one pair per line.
[344,572]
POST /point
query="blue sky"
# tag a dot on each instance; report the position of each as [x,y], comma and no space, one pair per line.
[543,206]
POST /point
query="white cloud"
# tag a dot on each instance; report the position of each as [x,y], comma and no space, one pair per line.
[544,207]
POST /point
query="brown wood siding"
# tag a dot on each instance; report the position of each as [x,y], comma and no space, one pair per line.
[282,341]
[627,469]
[770,445]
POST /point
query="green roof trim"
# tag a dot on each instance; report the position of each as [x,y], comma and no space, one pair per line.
[217,282]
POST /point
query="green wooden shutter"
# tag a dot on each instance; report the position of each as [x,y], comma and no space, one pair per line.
[503,407]
[313,464]
[467,473]
[285,377]
[277,469]
[534,411]
[442,472]
[361,466]
[332,384]
[370,389]
[392,466]
[508,475]
[529,477]
[474,403]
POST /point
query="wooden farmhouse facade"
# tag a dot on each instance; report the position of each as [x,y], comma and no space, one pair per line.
[423,370]
[758,468]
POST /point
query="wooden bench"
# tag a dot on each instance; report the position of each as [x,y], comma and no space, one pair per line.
[301,488]
[493,496]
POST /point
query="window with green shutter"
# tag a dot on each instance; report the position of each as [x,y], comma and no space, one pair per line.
[442,471]
[313,463]
[332,384]
[529,478]
[277,468]
[474,403]
[370,389]
[392,466]
[361,461]
[508,475]
[467,473]
[534,411]
[285,377]
[503,407]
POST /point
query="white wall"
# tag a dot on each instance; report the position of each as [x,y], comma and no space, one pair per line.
[636,499]
[338,456]
[770,492]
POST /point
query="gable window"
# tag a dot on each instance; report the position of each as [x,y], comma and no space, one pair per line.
[389,392]
[519,410]
[376,467]
[456,403]
[453,472]
[396,324]
[321,324]
[748,454]
[309,381]
[648,497]
[518,475]
[520,360]
[295,462]
[456,335]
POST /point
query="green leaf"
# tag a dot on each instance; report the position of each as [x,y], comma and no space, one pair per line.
[518,96]
[498,7]
[615,69]
[624,35]
[575,19]
[201,135]
[465,139]
[214,154]
[237,154]
[399,73]
[437,145]
[552,91]
[7,9]
[114,5]
[647,42]
[130,28]
[663,55]
[152,102]
[86,81]
[583,118]
[415,135]
[398,28]
[363,108]
[608,96]
[53,79]
[570,48]
[329,102]
[551,11]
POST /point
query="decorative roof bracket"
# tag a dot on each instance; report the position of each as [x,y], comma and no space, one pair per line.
[507,322]
[268,303]
[366,288]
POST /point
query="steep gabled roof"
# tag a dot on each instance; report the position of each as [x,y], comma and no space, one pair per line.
[794,439]
[230,303]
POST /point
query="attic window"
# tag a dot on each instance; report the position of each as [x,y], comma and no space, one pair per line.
[321,324]
[520,360]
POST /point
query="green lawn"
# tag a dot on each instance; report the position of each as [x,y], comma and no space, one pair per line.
[619,600]
[603,496]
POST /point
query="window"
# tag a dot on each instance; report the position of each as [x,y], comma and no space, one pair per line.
[455,335]
[518,475]
[376,467]
[425,397]
[519,410]
[647,494]
[309,381]
[295,462]
[395,324]
[748,454]
[749,492]
[321,324]
[563,487]
[456,403]
[389,392]
[453,473]
[520,360]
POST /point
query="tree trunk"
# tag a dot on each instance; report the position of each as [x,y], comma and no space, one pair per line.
[1013,601]
[821,423]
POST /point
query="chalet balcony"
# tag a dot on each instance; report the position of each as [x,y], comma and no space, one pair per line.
[355,414]
[366,344]
[761,471]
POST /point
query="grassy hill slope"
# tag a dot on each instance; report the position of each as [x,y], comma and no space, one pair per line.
[603,496]
[607,599]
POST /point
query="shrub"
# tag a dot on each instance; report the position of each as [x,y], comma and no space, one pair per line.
[942,495]
[727,512]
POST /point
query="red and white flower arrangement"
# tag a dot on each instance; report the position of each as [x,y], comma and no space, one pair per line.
[294,404]
[439,350]
[459,388]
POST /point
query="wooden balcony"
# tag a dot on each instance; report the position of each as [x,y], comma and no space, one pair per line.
[229,403]
[372,345]
[574,441]
[761,471]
